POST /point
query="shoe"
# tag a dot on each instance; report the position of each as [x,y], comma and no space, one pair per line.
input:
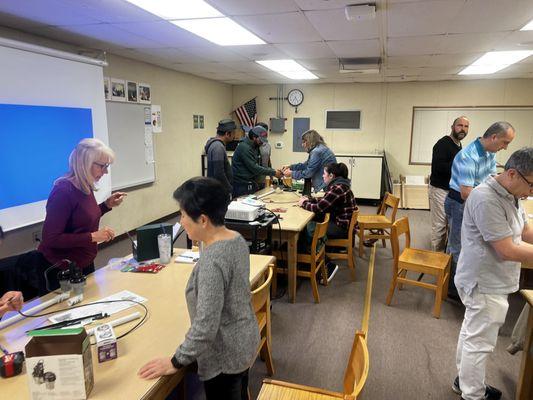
[491,393]
[331,270]
[369,242]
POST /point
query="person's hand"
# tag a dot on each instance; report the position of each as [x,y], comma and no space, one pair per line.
[115,199]
[283,168]
[302,200]
[103,235]
[279,174]
[11,301]
[156,368]
[287,173]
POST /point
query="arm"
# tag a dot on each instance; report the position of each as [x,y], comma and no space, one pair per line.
[465,191]
[11,301]
[507,250]
[256,169]
[311,166]
[324,205]
[527,234]
[218,158]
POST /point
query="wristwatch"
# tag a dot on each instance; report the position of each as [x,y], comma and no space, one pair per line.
[175,362]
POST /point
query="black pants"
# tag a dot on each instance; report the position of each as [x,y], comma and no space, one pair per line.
[227,387]
[243,188]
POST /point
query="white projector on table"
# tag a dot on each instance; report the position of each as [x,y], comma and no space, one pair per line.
[242,212]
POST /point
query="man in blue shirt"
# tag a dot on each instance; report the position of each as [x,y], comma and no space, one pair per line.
[471,166]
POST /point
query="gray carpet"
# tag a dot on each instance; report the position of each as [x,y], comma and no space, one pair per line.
[412,354]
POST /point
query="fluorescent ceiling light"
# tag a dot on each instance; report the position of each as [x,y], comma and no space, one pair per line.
[528,26]
[172,9]
[289,68]
[494,61]
[222,31]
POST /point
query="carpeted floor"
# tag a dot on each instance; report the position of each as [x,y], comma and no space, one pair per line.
[412,354]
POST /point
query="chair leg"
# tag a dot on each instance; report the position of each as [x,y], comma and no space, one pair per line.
[438,295]
[392,287]
[446,282]
[351,262]
[274,284]
[403,274]
[361,240]
[266,355]
[314,284]
[383,242]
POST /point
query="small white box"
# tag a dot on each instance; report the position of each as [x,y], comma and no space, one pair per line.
[106,343]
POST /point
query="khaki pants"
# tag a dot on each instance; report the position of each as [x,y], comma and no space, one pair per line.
[439,223]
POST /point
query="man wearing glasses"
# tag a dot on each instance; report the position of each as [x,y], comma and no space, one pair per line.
[496,239]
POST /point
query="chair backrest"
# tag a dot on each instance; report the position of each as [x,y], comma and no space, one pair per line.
[320,231]
[399,228]
[359,362]
[353,222]
[389,201]
[261,294]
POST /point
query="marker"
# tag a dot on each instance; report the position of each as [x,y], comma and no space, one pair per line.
[4,350]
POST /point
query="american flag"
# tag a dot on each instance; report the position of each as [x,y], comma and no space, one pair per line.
[247,113]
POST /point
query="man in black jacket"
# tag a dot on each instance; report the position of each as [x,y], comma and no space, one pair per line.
[218,166]
[444,152]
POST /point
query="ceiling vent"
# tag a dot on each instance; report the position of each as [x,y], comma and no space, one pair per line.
[360,65]
[360,12]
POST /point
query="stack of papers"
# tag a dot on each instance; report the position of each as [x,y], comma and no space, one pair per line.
[188,257]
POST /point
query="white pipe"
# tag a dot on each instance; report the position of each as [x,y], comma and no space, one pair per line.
[14,44]
[34,310]
[117,322]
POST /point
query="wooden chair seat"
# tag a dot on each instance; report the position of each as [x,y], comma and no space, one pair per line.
[419,261]
[347,243]
[379,222]
[279,390]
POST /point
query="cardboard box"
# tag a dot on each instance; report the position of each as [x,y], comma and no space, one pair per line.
[59,364]
[106,343]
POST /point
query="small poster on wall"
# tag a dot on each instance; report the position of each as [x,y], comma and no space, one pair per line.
[157,123]
[107,88]
[201,122]
[195,121]
[118,89]
[145,95]
[132,92]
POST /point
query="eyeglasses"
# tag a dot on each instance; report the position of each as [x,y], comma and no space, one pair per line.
[102,166]
[524,178]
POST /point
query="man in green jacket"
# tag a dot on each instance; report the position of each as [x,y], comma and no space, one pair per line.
[245,164]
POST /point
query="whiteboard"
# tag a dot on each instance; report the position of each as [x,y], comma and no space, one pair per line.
[432,123]
[133,149]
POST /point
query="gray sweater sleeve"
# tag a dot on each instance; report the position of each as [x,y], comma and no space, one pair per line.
[217,156]
[206,321]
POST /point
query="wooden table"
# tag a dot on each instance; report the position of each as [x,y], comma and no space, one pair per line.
[166,326]
[292,223]
[525,379]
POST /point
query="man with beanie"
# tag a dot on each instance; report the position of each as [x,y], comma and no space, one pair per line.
[218,166]
[245,164]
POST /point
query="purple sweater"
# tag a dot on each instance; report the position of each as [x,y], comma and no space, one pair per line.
[71,217]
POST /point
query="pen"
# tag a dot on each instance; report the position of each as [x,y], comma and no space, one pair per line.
[4,350]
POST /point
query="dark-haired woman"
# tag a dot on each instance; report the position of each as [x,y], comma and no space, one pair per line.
[223,336]
[338,200]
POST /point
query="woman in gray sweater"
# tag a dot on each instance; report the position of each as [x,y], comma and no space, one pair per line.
[224,335]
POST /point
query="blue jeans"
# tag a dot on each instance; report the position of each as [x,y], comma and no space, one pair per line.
[454,214]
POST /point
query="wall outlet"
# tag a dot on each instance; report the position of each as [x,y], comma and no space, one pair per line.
[36,236]
[279,145]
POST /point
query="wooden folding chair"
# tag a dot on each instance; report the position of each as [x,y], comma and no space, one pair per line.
[261,305]
[347,243]
[356,372]
[379,223]
[419,261]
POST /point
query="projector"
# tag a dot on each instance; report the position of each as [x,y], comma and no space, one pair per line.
[242,212]
[360,12]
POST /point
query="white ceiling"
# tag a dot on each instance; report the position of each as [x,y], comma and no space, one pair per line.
[417,39]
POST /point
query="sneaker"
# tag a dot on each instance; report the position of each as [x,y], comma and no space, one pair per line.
[331,270]
[491,393]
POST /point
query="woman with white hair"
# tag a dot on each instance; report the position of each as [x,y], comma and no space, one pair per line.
[71,227]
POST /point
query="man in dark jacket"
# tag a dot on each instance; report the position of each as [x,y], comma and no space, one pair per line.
[218,166]
[245,164]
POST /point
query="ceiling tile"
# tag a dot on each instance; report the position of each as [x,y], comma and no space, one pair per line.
[170,55]
[112,11]
[212,68]
[416,45]
[213,53]
[258,52]
[62,35]
[470,42]
[520,40]
[356,48]
[422,18]
[407,61]
[306,50]
[324,5]
[449,60]
[253,7]
[280,28]
[323,64]
[244,66]
[333,25]
[164,33]
[21,24]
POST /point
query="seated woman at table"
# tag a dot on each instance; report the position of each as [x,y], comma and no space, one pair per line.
[320,155]
[71,227]
[224,335]
[338,200]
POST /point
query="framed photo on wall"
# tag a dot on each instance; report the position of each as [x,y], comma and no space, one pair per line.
[118,89]
[107,88]
[145,96]
[132,92]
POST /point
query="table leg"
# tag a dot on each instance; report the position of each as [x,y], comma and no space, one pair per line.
[525,379]
[292,245]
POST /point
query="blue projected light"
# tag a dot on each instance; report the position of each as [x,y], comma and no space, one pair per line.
[35,143]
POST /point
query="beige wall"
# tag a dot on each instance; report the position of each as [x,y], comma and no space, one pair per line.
[386,112]
[177,149]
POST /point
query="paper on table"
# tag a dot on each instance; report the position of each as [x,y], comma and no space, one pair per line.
[109,308]
[188,257]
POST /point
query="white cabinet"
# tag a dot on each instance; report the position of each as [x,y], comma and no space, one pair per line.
[364,170]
